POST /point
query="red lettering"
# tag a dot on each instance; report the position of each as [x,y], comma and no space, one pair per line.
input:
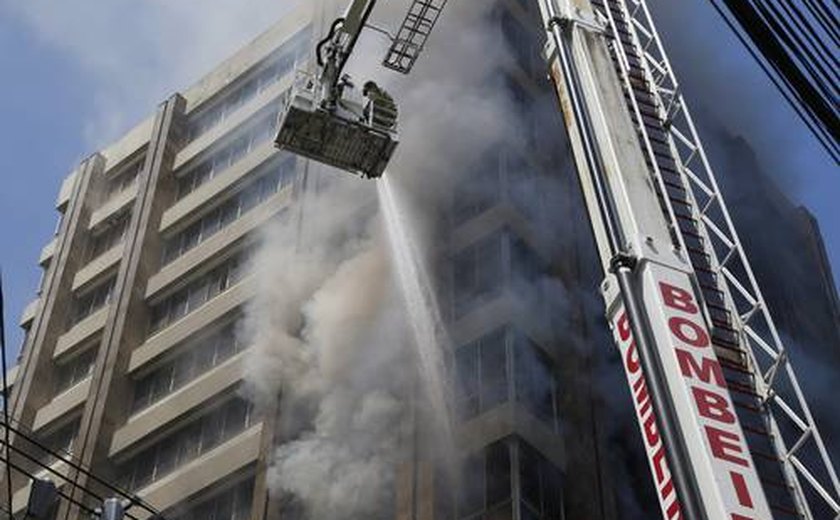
[708,370]
[712,406]
[631,358]
[688,332]
[677,298]
[724,444]
[651,433]
[673,511]
[667,489]
[741,489]
[736,516]
[623,325]
[642,396]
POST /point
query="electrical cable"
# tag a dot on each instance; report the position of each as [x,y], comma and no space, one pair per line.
[824,19]
[791,40]
[808,105]
[69,461]
[822,57]
[831,146]
[4,368]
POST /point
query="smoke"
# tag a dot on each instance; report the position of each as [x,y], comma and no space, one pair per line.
[329,327]
[131,55]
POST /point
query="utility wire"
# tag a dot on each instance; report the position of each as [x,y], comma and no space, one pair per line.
[4,368]
[28,436]
[808,96]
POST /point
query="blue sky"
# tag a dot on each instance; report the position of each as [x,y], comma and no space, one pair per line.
[78,74]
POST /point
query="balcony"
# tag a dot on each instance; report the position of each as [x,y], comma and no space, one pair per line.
[99,265]
[243,114]
[114,205]
[66,191]
[81,331]
[164,340]
[208,191]
[47,252]
[176,405]
[62,404]
[29,312]
[212,467]
[220,241]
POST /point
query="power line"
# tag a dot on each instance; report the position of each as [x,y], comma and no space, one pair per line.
[791,65]
[4,368]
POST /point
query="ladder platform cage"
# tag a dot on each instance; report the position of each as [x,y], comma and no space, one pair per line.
[796,471]
[341,136]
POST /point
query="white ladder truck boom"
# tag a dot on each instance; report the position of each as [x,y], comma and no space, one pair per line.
[727,430]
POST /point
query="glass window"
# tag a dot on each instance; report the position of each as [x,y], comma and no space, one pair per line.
[486,484]
[197,358]
[75,370]
[263,184]
[222,157]
[92,301]
[184,445]
[231,504]
[264,76]
[198,292]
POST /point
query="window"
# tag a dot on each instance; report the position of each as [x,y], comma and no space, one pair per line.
[229,154]
[75,370]
[60,441]
[536,384]
[520,40]
[482,381]
[481,371]
[265,75]
[199,292]
[478,191]
[482,270]
[503,176]
[231,504]
[268,181]
[198,358]
[186,444]
[540,484]
[486,484]
[125,179]
[109,237]
[93,300]
[477,273]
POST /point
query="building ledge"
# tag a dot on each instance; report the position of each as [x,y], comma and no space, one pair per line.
[48,251]
[29,312]
[114,205]
[62,404]
[193,259]
[205,194]
[66,191]
[219,463]
[511,418]
[81,331]
[506,307]
[164,340]
[177,404]
[243,114]
[97,266]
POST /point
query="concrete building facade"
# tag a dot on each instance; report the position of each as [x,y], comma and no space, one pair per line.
[132,361]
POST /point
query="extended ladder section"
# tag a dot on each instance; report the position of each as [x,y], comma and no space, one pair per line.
[412,35]
[793,464]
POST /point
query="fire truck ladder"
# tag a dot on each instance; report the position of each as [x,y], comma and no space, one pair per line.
[797,474]
[412,35]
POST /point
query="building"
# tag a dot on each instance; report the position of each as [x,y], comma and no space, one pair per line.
[132,359]
[133,356]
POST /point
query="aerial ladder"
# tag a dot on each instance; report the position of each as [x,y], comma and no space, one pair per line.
[726,428]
